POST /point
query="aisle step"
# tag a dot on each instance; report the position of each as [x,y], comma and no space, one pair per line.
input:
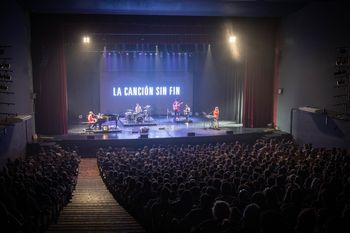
[92,207]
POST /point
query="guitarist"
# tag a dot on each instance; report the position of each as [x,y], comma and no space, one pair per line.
[216,113]
[187,111]
[176,108]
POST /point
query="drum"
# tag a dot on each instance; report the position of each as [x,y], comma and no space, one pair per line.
[139,119]
[129,116]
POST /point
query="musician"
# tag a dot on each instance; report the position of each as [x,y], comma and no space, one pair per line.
[187,111]
[101,118]
[176,108]
[216,113]
[138,109]
[91,118]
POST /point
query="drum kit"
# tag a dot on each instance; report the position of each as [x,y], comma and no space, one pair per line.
[140,117]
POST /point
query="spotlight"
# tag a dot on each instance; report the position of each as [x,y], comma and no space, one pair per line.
[4,87]
[86,40]
[127,54]
[232,39]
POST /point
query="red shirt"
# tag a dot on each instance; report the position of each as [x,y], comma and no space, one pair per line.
[216,114]
[176,106]
[91,119]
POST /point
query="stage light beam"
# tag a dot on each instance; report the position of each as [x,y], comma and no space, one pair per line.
[233,42]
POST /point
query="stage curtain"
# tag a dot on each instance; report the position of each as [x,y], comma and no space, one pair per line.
[218,81]
[258,87]
[49,79]
[231,107]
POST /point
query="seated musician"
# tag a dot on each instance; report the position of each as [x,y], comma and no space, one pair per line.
[91,118]
[187,111]
[138,109]
[216,113]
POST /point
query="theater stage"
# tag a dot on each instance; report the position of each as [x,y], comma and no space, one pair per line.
[164,132]
[161,127]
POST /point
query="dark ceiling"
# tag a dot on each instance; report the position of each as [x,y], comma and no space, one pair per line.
[238,8]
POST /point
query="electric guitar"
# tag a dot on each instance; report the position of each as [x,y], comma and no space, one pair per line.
[176,106]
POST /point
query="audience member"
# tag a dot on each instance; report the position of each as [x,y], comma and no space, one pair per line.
[270,186]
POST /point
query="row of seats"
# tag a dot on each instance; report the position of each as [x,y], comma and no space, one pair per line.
[271,186]
[34,189]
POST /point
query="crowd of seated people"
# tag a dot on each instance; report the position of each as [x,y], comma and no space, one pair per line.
[35,188]
[271,186]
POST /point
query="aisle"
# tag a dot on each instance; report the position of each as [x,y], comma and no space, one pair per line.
[93,208]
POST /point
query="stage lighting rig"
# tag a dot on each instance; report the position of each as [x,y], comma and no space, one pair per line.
[5,66]
[4,87]
[5,77]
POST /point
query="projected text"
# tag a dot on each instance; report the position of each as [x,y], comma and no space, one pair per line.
[147,91]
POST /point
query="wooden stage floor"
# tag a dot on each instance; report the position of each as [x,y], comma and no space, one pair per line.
[165,132]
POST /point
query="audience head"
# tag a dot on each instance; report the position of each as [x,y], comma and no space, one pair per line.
[221,210]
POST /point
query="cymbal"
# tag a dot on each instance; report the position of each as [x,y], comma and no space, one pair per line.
[129,110]
[147,106]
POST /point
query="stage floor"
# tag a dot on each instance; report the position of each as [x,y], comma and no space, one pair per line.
[165,132]
[164,128]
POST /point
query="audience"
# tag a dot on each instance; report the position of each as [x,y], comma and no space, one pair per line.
[271,186]
[34,189]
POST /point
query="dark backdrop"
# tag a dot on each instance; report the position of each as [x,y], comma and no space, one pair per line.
[242,86]
[165,76]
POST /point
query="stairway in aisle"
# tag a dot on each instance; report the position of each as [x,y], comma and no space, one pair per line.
[93,208]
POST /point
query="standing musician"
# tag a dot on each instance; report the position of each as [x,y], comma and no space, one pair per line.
[187,111]
[176,108]
[216,113]
[91,118]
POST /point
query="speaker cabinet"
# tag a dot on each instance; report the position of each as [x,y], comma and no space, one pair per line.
[191,134]
[143,135]
[91,137]
[229,132]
